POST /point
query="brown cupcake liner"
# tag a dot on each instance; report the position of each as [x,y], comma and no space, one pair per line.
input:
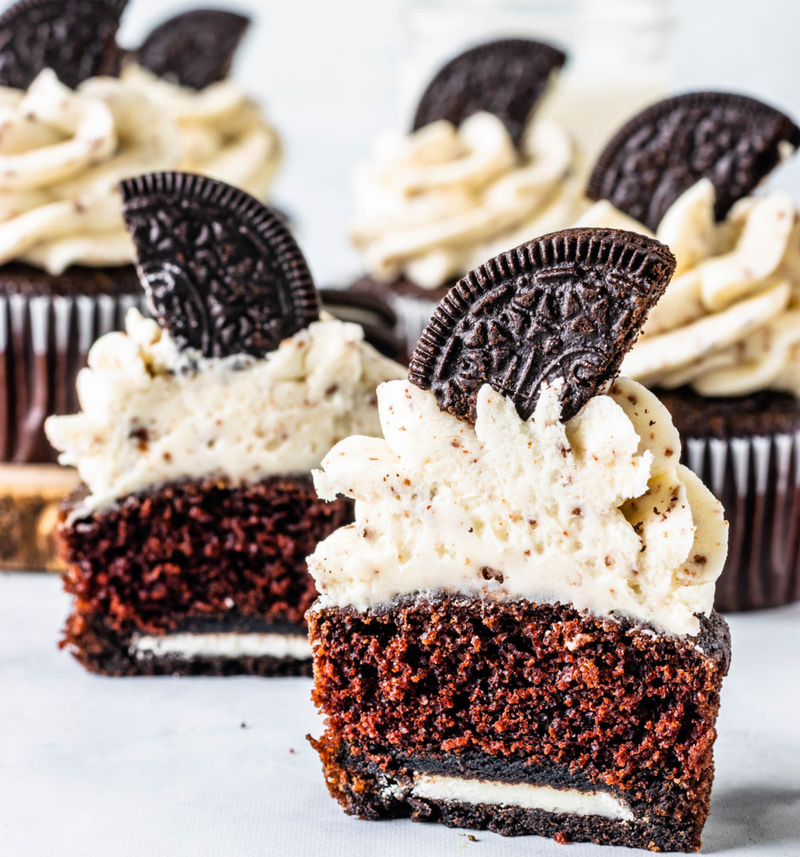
[44,343]
[757,479]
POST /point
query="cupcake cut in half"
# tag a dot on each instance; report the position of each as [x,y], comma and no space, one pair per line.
[480,172]
[722,348]
[517,632]
[79,115]
[186,548]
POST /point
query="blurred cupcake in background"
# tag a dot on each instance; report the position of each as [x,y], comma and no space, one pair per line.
[183,67]
[478,173]
[79,114]
[722,347]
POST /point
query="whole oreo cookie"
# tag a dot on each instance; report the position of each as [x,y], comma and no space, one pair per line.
[75,38]
[194,49]
[730,139]
[567,305]
[506,78]
[222,272]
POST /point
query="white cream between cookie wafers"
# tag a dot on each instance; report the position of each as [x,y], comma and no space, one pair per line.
[597,512]
[729,322]
[151,414]
[434,204]
[63,152]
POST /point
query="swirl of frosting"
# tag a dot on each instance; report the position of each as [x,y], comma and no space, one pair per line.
[436,203]
[224,132]
[595,512]
[729,322]
[63,153]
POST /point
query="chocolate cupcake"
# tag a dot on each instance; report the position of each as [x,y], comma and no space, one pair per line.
[186,548]
[71,131]
[478,173]
[722,347]
[518,634]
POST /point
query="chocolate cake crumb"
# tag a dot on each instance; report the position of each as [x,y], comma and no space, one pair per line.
[443,685]
[190,553]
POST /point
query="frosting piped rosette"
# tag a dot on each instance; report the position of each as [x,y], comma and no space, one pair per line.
[73,131]
[63,152]
[729,323]
[479,173]
[545,478]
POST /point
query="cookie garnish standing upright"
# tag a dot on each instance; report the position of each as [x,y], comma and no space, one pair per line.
[75,38]
[505,77]
[733,140]
[194,49]
[222,272]
[567,305]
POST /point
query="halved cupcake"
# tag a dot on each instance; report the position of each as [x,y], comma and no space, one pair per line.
[186,549]
[517,632]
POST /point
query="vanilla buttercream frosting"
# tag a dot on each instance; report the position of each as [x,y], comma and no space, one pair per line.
[729,322]
[151,413]
[434,204]
[63,153]
[596,512]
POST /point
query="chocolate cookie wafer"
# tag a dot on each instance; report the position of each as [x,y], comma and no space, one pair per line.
[567,305]
[733,140]
[505,77]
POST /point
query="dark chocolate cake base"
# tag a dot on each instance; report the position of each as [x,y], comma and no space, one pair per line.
[515,692]
[102,649]
[747,450]
[170,556]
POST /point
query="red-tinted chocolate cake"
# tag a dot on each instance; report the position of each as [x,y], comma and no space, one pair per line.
[186,548]
[517,633]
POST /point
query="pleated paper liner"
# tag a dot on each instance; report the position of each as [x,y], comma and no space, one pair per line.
[44,342]
[757,479]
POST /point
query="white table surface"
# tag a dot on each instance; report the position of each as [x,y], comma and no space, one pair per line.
[93,766]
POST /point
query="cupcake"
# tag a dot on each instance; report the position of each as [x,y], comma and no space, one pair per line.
[722,348]
[517,632]
[71,131]
[186,546]
[478,173]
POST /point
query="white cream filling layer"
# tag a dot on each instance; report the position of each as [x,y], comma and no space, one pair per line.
[524,795]
[223,645]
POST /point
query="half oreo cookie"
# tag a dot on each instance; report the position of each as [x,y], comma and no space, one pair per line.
[730,139]
[565,306]
[75,38]
[505,77]
[194,49]
[222,272]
